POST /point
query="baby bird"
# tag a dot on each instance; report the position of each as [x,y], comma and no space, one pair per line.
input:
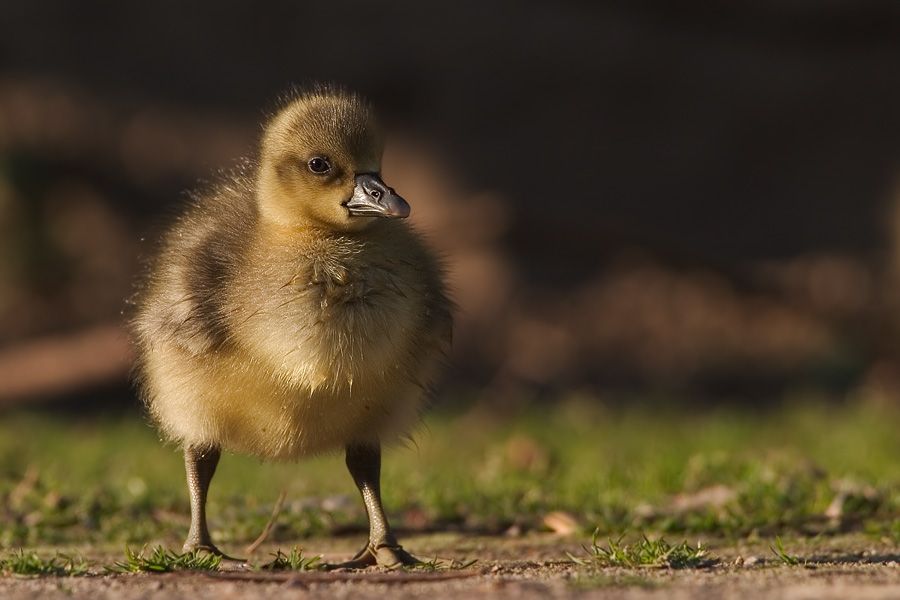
[292,312]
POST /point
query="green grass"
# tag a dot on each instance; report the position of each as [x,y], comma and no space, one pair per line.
[644,553]
[160,560]
[29,564]
[292,561]
[105,482]
[783,557]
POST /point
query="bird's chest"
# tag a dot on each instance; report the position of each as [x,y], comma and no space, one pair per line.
[352,295]
[341,320]
[338,287]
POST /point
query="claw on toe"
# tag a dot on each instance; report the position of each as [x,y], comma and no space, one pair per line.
[382,556]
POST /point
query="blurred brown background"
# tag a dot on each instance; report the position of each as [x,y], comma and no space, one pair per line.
[691,198]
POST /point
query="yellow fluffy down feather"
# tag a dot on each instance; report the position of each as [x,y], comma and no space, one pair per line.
[276,322]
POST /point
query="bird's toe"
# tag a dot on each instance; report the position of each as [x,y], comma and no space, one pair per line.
[209,548]
[392,556]
[382,556]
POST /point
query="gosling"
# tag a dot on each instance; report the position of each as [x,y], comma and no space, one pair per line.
[292,312]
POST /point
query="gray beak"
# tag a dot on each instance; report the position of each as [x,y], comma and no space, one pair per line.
[372,198]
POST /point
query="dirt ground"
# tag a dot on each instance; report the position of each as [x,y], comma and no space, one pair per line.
[523,568]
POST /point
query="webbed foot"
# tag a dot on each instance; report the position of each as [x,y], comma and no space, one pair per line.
[382,556]
[210,548]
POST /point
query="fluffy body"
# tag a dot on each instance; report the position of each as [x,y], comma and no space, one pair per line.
[267,329]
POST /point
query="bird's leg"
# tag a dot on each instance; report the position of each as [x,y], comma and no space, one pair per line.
[200,463]
[364,464]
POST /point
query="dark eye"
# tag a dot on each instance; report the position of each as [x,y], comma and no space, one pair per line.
[319,165]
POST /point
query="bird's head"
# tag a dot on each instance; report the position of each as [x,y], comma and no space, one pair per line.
[320,165]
